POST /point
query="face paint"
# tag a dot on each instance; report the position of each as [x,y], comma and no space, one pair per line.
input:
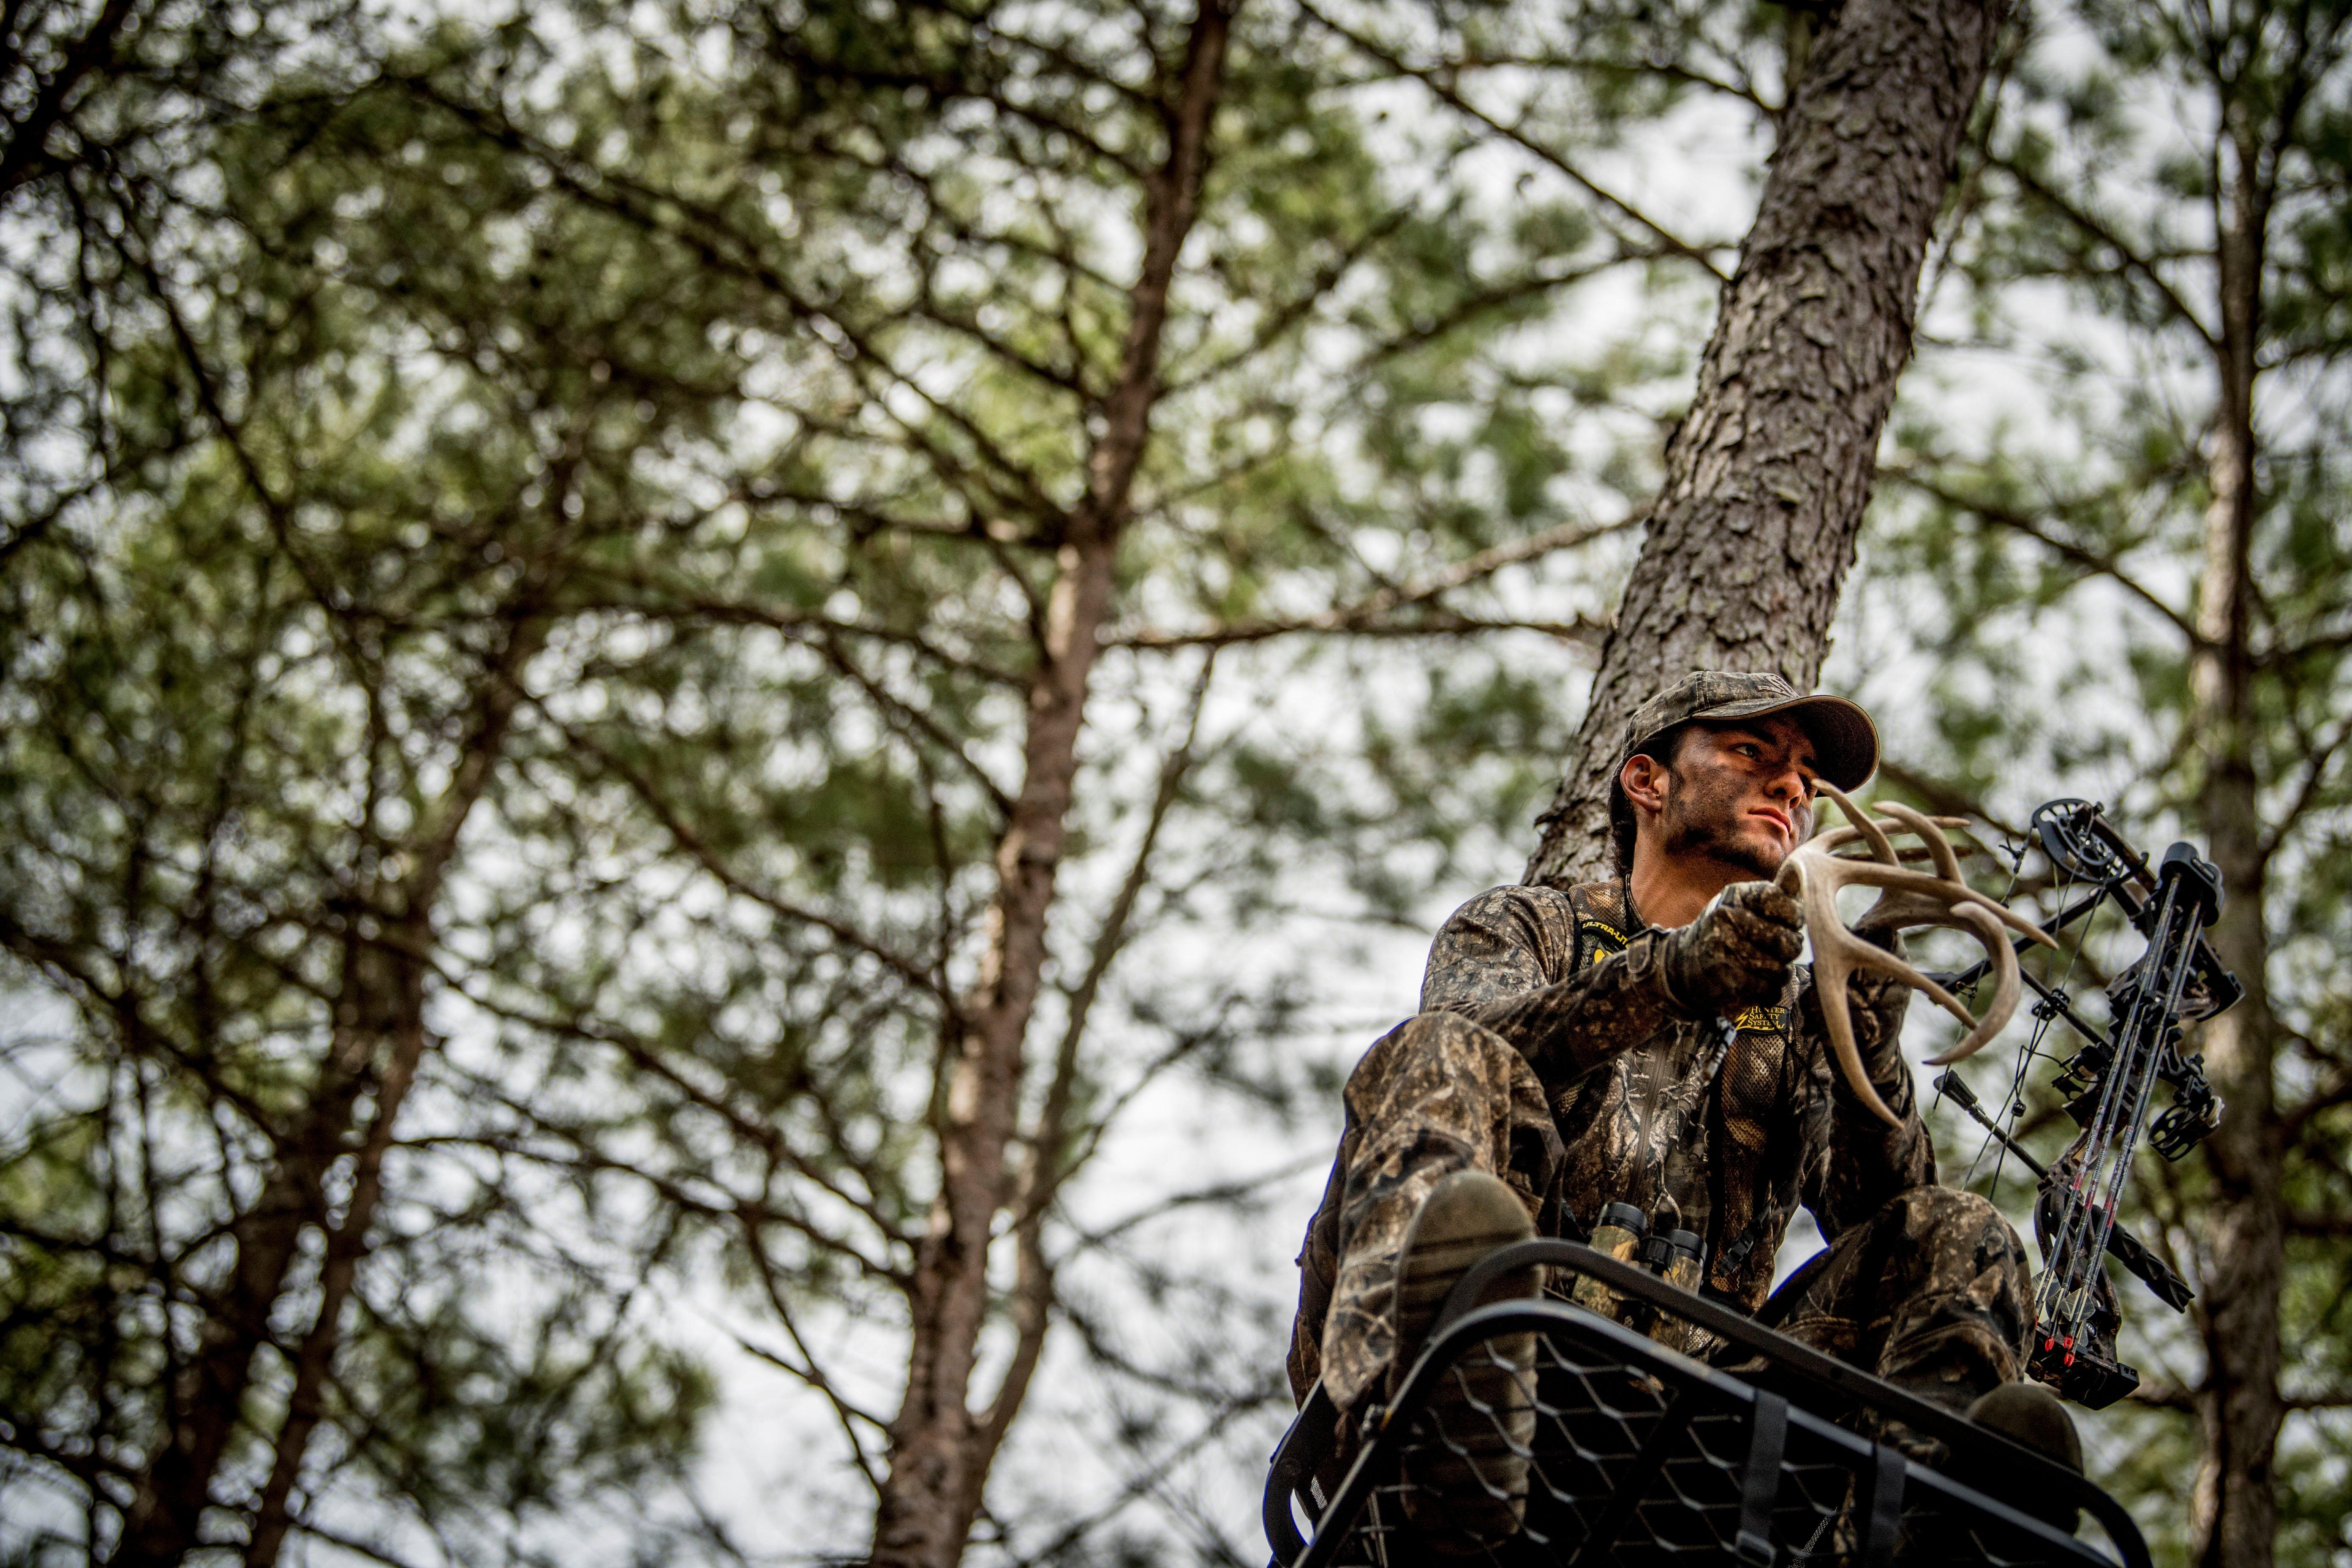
[1717,790]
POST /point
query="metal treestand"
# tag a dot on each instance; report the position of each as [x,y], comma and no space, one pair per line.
[1640,1454]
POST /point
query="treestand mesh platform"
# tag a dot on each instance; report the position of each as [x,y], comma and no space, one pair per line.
[1637,1454]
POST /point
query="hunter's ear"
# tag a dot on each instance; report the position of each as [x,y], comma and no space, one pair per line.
[1644,779]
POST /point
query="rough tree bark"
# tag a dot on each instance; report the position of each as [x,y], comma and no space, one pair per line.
[2235,1509]
[378,1040]
[1768,477]
[940,1447]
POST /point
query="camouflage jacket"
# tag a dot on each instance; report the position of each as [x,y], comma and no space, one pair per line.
[1568,979]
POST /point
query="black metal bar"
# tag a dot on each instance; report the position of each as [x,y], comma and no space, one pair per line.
[1850,1382]
[1883,1525]
[1759,1483]
[1307,1442]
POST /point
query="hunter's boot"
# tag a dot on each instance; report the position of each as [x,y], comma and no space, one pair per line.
[2030,1416]
[1465,1469]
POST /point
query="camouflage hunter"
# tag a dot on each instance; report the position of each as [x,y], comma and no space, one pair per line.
[1562,1044]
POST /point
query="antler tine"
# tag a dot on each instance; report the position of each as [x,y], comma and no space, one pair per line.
[1815,876]
[1862,953]
[1837,952]
[1839,838]
[1864,822]
[2006,990]
[1947,865]
[1853,869]
[1806,876]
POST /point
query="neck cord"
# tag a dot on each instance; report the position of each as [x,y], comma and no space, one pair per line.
[1634,924]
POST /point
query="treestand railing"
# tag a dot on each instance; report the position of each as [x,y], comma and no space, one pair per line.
[1640,1454]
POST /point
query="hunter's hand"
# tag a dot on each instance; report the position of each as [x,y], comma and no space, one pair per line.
[1738,951]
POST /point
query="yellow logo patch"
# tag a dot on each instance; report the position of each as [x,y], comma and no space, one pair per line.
[1605,935]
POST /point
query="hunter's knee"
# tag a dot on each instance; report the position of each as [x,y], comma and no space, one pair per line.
[1429,1045]
[1435,1056]
[1950,1215]
[1963,1250]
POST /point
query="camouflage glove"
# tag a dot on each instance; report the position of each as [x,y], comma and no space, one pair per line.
[1737,952]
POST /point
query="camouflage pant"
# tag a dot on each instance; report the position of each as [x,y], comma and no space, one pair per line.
[1931,1292]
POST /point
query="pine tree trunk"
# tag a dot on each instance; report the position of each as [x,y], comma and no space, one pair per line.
[1768,475]
[164,1523]
[2235,1512]
[347,1247]
[939,1448]
[378,1040]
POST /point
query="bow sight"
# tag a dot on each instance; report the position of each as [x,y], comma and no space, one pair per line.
[2109,1085]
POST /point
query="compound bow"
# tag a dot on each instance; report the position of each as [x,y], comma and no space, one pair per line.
[2110,1084]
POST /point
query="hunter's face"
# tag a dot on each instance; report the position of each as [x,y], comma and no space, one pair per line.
[1740,794]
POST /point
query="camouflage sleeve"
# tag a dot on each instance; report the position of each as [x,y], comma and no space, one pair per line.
[1503,961]
[1866,1161]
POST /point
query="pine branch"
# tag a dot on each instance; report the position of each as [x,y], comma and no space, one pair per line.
[2130,259]
[2067,550]
[848,1414]
[2316,762]
[1441,87]
[1371,615]
[2326,1399]
[699,849]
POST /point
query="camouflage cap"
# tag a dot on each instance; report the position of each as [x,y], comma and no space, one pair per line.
[1845,742]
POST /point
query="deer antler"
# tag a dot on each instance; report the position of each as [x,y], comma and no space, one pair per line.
[1813,875]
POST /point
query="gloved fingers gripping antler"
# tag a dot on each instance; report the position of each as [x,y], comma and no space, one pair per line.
[1737,952]
[1813,875]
